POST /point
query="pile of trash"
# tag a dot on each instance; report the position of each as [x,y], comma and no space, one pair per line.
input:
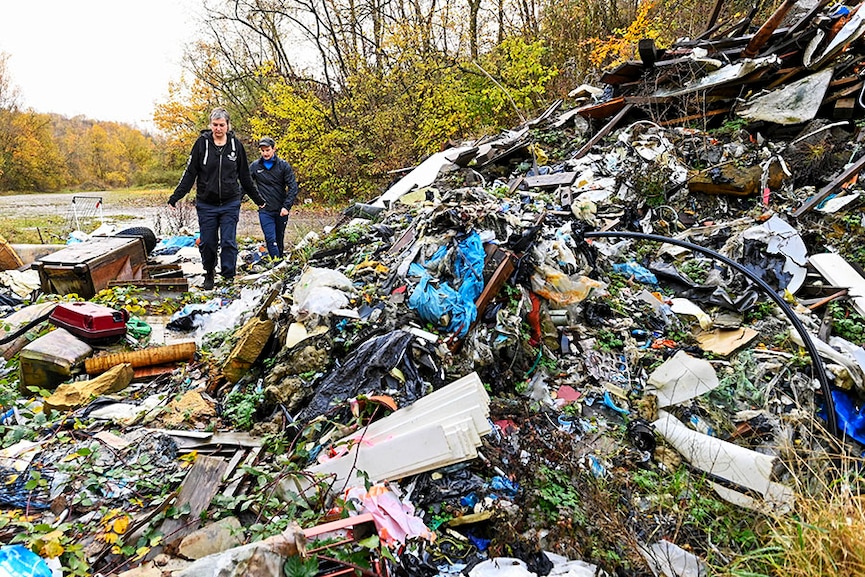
[570,349]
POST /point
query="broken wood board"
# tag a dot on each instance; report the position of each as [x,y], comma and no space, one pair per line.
[841,274]
[504,266]
[235,478]
[156,285]
[625,72]
[603,132]
[551,180]
[603,109]
[852,170]
[746,475]
[202,441]
[197,490]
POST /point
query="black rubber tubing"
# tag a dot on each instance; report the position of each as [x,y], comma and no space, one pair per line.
[20,331]
[831,418]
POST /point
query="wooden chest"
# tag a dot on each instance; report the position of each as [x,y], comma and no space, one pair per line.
[86,268]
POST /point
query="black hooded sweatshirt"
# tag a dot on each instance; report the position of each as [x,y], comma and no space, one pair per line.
[216,170]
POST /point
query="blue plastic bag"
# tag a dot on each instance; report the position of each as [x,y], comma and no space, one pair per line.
[440,303]
[639,272]
[469,267]
[19,561]
[850,420]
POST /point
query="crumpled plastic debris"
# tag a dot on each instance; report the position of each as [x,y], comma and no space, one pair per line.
[320,291]
[394,520]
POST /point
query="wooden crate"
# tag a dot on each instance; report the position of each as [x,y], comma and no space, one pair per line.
[88,267]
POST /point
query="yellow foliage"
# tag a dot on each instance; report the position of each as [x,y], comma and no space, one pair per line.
[648,23]
[110,537]
[188,458]
[52,549]
[141,552]
[120,525]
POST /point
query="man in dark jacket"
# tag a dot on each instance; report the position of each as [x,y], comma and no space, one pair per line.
[278,187]
[216,163]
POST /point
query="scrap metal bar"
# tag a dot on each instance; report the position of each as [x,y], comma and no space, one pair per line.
[603,132]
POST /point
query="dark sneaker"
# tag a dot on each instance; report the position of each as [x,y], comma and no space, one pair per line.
[208,281]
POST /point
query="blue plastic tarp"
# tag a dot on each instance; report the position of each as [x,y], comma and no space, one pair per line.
[173,244]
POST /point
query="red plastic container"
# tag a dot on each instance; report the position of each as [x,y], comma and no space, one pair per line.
[90,322]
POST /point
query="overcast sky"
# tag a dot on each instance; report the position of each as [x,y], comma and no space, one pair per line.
[105,59]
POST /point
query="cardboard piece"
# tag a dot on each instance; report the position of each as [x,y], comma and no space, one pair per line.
[725,342]
[681,378]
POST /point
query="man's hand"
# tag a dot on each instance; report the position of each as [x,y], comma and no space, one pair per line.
[283,212]
[172,204]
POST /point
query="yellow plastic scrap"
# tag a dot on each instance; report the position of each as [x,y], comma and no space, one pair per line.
[540,156]
[556,286]
[372,265]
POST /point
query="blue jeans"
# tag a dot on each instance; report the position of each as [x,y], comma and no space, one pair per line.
[218,227]
[273,227]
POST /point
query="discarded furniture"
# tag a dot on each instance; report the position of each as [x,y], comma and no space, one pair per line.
[48,361]
[86,268]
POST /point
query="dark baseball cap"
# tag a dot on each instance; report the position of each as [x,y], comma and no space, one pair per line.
[266,141]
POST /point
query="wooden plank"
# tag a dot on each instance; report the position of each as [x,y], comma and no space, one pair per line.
[551,180]
[763,35]
[626,72]
[195,440]
[236,480]
[408,236]
[844,108]
[599,135]
[498,279]
[853,170]
[692,117]
[163,284]
[197,491]
[604,109]
[639,100]
[844,93]
[713,17]
[785,76]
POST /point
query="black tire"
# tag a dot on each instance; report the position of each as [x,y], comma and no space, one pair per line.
[145,233]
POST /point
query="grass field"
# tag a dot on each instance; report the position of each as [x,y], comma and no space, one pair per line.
[43,218]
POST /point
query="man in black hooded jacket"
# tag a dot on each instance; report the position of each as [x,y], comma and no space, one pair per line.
[277,185]
[216,163]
